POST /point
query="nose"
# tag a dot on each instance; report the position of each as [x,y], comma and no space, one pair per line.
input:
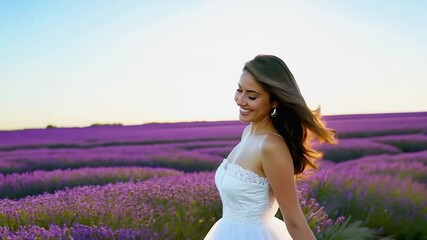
[239,100]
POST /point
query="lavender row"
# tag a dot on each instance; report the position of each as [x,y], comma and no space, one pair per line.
[113,151]
[77,231]
[405,165]
[120,135]
[201,145]
[223,152]
[37,182]
[148,156]
[176,207]
[351,126]
[355,148]
[366,125]
[191,156]
[406,143]
[387,192]
[180,203]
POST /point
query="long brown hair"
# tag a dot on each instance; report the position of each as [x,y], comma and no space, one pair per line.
[295,121]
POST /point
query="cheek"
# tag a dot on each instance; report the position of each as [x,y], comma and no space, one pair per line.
[264,106]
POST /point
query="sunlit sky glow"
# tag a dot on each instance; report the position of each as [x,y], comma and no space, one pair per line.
[75,63]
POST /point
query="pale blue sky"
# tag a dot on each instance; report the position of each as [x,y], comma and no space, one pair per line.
[78,62]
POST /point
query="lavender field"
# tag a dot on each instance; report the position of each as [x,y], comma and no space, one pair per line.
[155,181]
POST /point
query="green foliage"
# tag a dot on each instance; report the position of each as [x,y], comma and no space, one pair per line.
[407,145]
[182,163]
[344,154]
[350,230]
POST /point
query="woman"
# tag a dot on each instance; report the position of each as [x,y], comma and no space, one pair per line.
[258,176]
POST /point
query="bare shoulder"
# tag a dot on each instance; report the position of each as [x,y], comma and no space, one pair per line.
[275,153]
[274,145]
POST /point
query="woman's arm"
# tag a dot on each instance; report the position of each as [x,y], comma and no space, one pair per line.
[278,168]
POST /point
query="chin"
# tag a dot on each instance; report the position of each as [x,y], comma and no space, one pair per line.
[244,120]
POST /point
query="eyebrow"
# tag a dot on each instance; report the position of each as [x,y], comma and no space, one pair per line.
[251,91]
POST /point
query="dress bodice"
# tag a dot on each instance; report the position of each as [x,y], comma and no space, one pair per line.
[246,197]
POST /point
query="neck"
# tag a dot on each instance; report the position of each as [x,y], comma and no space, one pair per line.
[263,126]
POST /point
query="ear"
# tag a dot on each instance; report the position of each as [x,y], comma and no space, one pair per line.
[274,104]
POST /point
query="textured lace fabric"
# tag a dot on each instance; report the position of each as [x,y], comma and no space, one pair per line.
[244,194]
[245,175]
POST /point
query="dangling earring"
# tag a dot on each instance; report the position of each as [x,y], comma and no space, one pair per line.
[274,113]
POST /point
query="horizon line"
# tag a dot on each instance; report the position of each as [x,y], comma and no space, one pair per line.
[52,126]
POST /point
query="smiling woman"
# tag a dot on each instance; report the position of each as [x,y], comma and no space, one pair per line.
[258,176]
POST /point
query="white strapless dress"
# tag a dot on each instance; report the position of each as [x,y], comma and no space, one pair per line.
[248,208]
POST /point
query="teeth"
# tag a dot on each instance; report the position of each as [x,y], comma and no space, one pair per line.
[244,110]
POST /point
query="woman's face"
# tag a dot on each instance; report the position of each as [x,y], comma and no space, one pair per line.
[253,101]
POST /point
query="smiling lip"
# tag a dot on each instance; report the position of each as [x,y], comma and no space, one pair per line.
[244,111]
